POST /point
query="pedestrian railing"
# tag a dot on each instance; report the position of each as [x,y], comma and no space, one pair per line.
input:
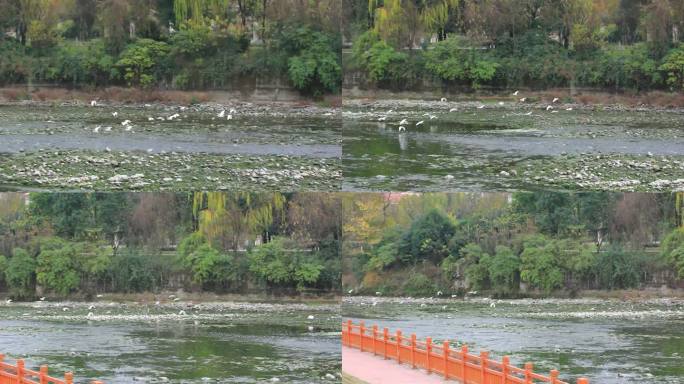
[19,374]
[451,363]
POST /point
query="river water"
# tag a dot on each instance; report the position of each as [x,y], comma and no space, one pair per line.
[607,341]
[462,147]
[212,343]
[173,147]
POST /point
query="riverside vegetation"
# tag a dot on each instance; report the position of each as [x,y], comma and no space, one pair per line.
[631,45]
[542,243]
[80,245]
[180,44]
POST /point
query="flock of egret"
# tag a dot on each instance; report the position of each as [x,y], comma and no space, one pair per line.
[128,124]
[404,123]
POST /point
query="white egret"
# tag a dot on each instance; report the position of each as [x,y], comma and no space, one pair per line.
[97,129]
[402,128]
[222,113]
[549,107]
[115,114]
[515,93]
[383,118]
[420,123]
[453,110]
[93,103]
[555,100]
[522,100]
[126,122]
[403,122]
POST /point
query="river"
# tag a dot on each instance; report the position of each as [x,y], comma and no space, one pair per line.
[210,343]
[486,146]
[607,341]
[158,147]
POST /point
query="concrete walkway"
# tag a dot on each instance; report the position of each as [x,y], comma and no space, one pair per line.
[363,367]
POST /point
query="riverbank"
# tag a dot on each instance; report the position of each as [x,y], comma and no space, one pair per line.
[172,297]
[125,96]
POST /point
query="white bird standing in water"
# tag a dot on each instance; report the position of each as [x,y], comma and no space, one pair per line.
[403,122]
[555,100]
[126,122]
[402,128]
[522,100]
[115,114]
[97,129]
[420,123]
[222,113]
[549,107]
[515,93]
[93,103]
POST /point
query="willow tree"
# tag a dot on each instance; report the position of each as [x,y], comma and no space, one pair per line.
[225,219]
[437,14]
[195,11]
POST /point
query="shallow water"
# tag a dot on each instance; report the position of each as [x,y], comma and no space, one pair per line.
[609,342]
[277,140]
[141,344]
[468,149]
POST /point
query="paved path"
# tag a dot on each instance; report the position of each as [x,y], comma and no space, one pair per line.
[375,370]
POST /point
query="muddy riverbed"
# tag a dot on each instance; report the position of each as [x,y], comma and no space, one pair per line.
[177,342]
[608,341]
[158,147]
[510,146]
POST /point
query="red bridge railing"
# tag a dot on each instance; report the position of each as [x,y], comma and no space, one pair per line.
[457,364]
[19,374]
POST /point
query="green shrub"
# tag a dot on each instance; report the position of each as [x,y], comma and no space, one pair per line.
[143,63]
[278,264]
[419,285]
[453,61]
[673,66]
[20,274]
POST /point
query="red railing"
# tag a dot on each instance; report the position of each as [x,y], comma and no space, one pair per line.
[456,364]
[18,374]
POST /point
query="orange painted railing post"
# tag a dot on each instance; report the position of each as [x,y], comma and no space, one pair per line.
[428,349]
[445,351]
[20,371]
[375,336]
[385,341]
[484,358]
[505,370]
[43,374]
[413,350]
[362,331]
[582,380]
[554,376]
[350,329]
[69,378]
[528,373]
[399,346]
[464,362]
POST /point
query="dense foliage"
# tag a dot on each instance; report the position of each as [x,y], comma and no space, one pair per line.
[535,243]
[607,44]
[64,244]
[180,44]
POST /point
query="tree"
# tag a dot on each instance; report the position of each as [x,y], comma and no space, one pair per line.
[504,270]
[279,264]
[20,274]
[428,238]
[541,264]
